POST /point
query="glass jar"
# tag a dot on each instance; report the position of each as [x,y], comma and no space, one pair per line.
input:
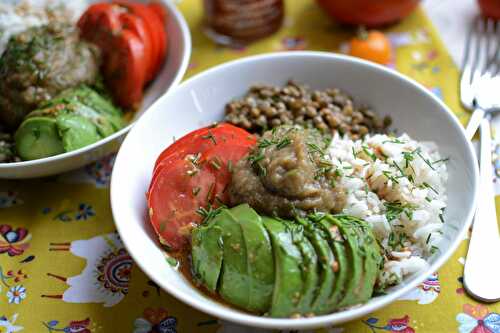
[239,22]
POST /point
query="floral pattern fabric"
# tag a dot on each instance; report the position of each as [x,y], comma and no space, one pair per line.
[63,267]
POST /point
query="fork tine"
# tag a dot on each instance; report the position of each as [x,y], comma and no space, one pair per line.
[466,61]
[495,59]
[492,34]
[480,49]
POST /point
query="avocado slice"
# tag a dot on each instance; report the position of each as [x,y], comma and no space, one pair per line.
[234,284]
[370,251]
[355,262]
[326,262]
[288,261]
[207,253]
[37,137]
[260,261]
[310,268]
[76,131]
[89,97]
[337,244]
[102,123]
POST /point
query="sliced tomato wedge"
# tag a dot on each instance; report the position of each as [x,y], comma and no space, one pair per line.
[153,24]
[176,194]
[159,10]
[137,26]
[124,71]
[198,141]
[221,160]
[99,25]
[195,172]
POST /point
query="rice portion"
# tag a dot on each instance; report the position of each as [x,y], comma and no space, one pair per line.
[398,185]
[17,16]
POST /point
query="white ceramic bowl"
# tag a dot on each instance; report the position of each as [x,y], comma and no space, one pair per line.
[179,51]
[200,101]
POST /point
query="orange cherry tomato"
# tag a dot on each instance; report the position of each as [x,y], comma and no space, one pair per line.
[372,45]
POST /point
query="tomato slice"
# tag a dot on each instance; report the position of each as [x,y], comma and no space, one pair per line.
[159,10]
[202,139]
[221,160]
[99,24]
[137,26]
[124,71]
[175,196]
[154,25]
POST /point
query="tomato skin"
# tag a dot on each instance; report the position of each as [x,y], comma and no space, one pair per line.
[137,26]
[369,13]
[159,10]
[124,69]
[375,46]
[172,203]
[181,185]
[490,8]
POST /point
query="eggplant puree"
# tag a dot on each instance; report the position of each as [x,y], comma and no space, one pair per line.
[38,64]
[287,173]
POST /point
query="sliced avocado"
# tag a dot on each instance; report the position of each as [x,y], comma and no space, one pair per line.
[234,284]
[102,123]
[370,252]
[288,261]
[207,253]
[260,261]
[310,268]
[337,245]
[326,261]
[76,131]
[355,262]
[38,137]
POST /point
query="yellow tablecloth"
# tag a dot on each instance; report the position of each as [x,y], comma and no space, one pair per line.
[64,269]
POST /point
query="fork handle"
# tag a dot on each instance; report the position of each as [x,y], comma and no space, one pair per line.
[485,238]
[474,122]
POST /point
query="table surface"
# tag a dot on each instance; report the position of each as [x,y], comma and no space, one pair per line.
[64,269]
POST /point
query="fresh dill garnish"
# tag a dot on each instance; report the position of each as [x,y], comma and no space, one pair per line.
[434,249]
[209,212]
[230,166]
[389,176]
[399,168]
[314,148]
[395,140]
[428,238]
[354,153]
[370,154]
[211,137]
[196,190]
[424,159]
[426,185]
[443,160]
[215,163]
[283,143]
[408,156]
[395,209]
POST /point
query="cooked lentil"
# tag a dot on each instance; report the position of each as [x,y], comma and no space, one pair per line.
[331,110]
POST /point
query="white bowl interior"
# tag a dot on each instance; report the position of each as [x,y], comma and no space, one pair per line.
[179,51]
[200,101]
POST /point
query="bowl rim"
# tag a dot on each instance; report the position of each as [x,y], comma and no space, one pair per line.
[174,14]
[247,319]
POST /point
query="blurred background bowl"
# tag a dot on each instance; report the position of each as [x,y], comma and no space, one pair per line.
[179,52]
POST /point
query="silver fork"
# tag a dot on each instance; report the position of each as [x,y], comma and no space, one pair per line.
[479,84]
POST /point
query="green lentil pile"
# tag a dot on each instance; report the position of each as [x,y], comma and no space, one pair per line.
[265,107]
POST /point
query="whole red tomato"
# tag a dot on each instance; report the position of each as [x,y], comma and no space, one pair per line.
[370,13]
[490,8]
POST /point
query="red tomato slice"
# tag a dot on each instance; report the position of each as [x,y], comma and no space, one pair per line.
[125,69]
[221,160]
[174,197]
[159,10]
[99,24]
[153,24]
[204,138]
[137,26]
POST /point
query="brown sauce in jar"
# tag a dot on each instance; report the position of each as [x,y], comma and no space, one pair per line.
[242,21]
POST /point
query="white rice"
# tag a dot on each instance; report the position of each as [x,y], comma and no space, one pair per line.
[398,178]
[17,16]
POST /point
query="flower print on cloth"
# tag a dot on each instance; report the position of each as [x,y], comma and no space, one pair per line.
[477,319]
[82,212]
[75,326]
[106,276]
[13,242]
[7,326]
[16,294]
[293,43]
[426,292]
[17,277]
[397,325]
[155,321]
[97,173]
[9,199]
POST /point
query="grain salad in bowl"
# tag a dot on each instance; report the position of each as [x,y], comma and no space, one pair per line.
[270,216]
